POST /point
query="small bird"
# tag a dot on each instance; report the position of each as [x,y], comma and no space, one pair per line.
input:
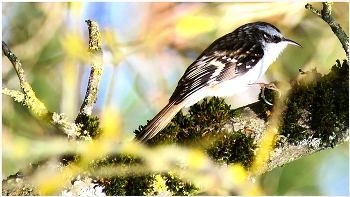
[228,66]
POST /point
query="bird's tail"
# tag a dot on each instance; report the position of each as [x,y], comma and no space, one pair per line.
[159,121]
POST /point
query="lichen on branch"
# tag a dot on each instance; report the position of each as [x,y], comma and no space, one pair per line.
[28,98]
[96,60]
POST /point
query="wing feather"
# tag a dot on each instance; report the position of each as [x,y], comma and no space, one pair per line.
[213,67]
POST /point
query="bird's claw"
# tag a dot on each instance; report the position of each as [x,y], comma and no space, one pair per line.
[271,86]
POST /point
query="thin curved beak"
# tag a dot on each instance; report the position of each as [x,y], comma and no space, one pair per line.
[292,42]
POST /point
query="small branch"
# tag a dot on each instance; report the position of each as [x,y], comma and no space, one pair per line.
[313,10]
[96,59]
[16,95]
[327,8]
[31,101]
[28,98]
[325,14]
[17,65]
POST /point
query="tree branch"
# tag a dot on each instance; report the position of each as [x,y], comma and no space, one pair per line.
[29,99]
[325,14]
[96,59]
[286,151]
[32,101]
[16,95]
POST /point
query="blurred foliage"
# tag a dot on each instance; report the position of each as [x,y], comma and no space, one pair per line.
[147,47]
[139,184]
[190,26]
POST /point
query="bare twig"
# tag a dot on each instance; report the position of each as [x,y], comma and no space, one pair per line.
[325,14]
[96,58]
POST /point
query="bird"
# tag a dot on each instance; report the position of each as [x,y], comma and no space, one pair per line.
[228,66]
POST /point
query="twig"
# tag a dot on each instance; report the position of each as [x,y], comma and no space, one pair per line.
[313,10]
[16,64]
[31,100]
[325,14]
[28,98]
[96,59]
[16,95]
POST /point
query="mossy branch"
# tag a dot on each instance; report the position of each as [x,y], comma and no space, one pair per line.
[311,116]
[325,14]
[315,115]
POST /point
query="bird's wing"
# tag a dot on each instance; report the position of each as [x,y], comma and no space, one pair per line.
[217,64]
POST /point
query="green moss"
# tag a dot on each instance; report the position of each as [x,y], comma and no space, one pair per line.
[136,185]
[233,147]
[318,106]
[122,184]
[183,128]
[179,187]
[144,185]
[127,183]
[167,136]
[270,95]
[89,126]
[202,127]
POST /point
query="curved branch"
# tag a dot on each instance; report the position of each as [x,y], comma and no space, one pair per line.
[325,14]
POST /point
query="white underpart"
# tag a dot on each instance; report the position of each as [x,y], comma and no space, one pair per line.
[240,84]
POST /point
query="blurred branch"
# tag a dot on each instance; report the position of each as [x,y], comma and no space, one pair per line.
[32,101]
[28,98]
[96,59]
[16,95]
[325,14]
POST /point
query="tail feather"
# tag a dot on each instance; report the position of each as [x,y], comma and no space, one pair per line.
[159,121]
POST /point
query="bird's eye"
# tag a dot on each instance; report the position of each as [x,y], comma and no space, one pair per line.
[275,38]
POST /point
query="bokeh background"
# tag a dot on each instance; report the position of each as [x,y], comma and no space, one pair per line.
[147,47]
